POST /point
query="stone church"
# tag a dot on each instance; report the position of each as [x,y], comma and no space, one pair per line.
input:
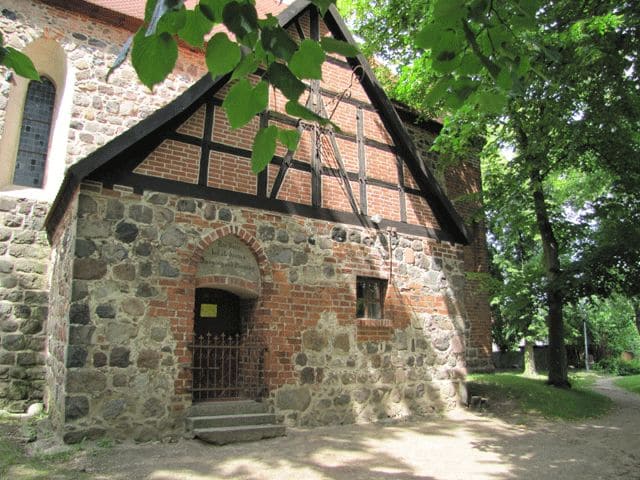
[149,280]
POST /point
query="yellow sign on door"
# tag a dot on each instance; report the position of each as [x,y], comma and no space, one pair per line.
[208,310]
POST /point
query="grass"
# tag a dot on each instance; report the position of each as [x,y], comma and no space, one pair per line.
[16,464]
[631,383]
[531,395]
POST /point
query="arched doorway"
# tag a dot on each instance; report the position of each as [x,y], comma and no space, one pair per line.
[228,358]
[217,313]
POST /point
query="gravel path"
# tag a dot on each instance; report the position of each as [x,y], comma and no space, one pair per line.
[463,445]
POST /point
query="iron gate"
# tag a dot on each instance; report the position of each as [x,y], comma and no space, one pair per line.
[227,366]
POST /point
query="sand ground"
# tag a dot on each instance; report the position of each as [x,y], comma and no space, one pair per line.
[462,445]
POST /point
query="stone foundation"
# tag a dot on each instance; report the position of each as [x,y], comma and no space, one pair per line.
[24,251]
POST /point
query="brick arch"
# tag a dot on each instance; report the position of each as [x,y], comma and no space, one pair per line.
[232,284]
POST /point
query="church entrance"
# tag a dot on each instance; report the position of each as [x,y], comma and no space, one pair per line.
[227,362]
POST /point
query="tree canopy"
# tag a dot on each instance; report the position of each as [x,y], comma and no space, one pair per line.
[557,82]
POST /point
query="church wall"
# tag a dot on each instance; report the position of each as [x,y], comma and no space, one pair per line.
[136,266]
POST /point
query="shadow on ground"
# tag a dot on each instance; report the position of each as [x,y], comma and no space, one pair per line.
[462,445]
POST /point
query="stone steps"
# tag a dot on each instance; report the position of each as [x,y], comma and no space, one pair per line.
[240,433]
[220,423]
[230,420]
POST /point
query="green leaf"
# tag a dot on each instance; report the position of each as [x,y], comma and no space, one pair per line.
[222,54]
[247,66]
[428,36]
[153,57]
[172,22]
[278,42]
[445,61]
[264,147]
[449,12]
[212,9]
[492,102]
[294,109]
[243,102]
[307,61]
[289,138]
[331,45]
[323,5]
[268,22]
[281,77]
[469,64]
[197,25]
[437,91]
[20,63]
[504,80]
[240,18]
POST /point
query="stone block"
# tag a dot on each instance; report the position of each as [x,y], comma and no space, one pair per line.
[314,340]
[99,359]
[173,237]
[105,311]
[79,314]
[77,436]
[148,359]
[186,205]
[133,307]
[113,408]
[14,342]
[165,269]
[126,232]
[119,357]
[75,407]
[89,269]
[266,233]
[115,210]
[159,199]
[84,248]
[81,334]
[141,213]
[91,382]
[341,342]
[307,375]
[288,398]
[225,215]
[27,359]
[76,356]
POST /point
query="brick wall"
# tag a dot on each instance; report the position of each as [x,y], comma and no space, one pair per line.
[136,270]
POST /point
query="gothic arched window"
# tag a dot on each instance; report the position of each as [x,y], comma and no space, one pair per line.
[34,134]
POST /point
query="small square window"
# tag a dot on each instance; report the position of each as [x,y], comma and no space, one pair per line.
[370,293]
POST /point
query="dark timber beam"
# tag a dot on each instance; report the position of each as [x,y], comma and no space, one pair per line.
[362,163]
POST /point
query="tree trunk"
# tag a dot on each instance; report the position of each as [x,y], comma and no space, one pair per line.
[529,359]
[636,307]
[553,289]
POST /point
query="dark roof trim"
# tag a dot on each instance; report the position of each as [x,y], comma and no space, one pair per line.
[194,96]
[98,13]
[441,205]
[410,115]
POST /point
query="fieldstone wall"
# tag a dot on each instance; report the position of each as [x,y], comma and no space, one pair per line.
[136,267]
[24,252]
[101,110]
[462,181]
[59,355]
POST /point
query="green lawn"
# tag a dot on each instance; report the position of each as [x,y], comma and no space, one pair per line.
[533,396]
[631,383]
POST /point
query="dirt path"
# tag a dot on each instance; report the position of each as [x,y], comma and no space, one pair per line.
[464,445]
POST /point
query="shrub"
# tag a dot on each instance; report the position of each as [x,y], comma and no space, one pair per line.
[618,366]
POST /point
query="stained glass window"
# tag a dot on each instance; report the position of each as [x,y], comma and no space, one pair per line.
[34,134]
